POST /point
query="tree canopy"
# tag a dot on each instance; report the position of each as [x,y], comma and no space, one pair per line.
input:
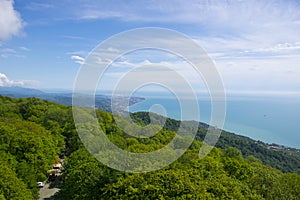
[34,133]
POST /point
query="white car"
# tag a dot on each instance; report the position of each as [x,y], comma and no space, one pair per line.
[40,184]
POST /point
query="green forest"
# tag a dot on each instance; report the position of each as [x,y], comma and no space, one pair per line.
[34,133]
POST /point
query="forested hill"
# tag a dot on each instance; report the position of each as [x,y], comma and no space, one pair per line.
[285,159]
[280,157]
[34,133]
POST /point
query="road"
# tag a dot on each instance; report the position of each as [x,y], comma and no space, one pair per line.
[46,192]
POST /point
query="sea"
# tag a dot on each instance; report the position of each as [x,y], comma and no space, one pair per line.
[269,118]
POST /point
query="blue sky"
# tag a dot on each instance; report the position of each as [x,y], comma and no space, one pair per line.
[255,44]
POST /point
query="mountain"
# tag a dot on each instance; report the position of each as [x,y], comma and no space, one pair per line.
[102,102]
[20,92]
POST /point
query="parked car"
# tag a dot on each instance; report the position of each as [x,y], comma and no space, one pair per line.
[40,184]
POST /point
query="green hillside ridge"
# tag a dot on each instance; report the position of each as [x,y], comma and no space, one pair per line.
[34,133]
[283,158]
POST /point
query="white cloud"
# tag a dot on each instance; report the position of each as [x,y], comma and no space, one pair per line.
[5,81]
[255,44]
[13,52]
[38,6]
[11,23]
[238,25]
[8,50]
[95,14]
[79,53]
[261,74]
[281,47]
[72,37]
[113,50]
[159,72]
[228,28]
[24,48]
[261,22]
[78,59]
[271,74]
[230,14]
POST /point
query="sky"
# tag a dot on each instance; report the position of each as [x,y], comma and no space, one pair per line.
[255,45]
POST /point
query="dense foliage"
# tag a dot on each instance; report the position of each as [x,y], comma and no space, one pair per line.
[33,133]
[282,158]
[223,174]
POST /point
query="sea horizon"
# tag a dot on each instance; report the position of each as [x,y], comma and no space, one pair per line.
[264,118]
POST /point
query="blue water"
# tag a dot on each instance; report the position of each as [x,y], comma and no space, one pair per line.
[269,119]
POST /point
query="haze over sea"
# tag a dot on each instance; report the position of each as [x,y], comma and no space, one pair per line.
[269,118]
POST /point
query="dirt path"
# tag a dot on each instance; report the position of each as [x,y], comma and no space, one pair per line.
[46,192]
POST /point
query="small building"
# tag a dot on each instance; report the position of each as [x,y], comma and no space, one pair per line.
[57,166]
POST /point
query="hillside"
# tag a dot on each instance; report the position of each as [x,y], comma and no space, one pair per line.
[34,133]
[283,158]
[280,157]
